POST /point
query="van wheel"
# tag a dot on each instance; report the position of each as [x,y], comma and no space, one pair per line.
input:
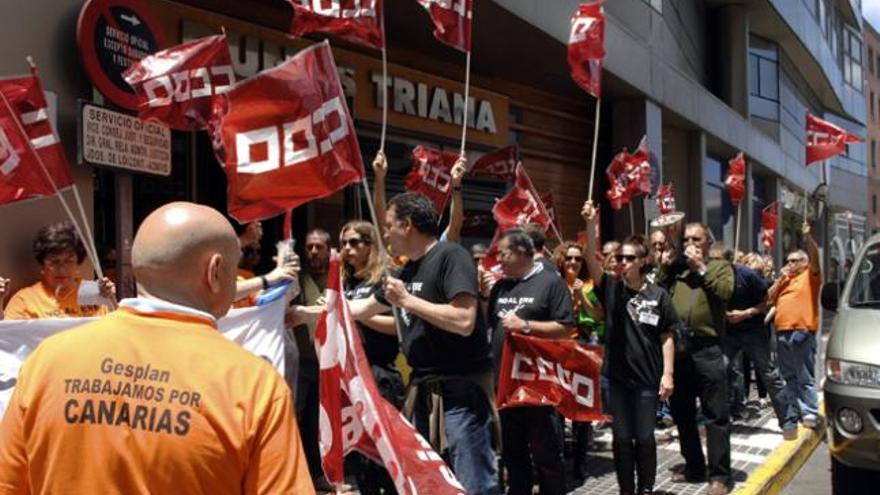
[847,480]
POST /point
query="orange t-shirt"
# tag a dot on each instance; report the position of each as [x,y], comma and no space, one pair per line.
[37,302]
[249,300]
[797,303]
[148,403]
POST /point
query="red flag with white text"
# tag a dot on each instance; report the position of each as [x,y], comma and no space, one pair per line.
[522,205]
[736,179]
[665,198]
[551,372]
[550,205]
[179,86]
[769,220]
[431,175]
[586,46]
[452,21]
[629,175]
[287,138]
[500,164]
[21,175]
[357,21]
[354,415]
[825,139]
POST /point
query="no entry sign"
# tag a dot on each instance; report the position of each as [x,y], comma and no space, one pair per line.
[113,34]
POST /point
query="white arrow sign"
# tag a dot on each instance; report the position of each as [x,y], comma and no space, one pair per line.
[132,19]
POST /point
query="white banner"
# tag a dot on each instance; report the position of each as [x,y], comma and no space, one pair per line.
[259,329]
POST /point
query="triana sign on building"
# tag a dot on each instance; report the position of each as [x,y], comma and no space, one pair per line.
[122,141]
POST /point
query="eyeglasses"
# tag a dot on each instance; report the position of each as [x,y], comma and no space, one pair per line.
[574,258]
[353,242]
[628,257]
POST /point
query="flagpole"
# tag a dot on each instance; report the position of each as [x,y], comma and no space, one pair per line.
[90,238]
[86,244]
[595,146]
[467,89]
[632,217]
[384,99]
[736,233]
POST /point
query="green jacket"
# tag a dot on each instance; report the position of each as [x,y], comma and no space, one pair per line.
[700,301]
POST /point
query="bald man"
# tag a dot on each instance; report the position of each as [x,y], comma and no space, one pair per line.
[152,398]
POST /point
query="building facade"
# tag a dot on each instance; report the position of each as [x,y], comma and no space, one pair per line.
[702,79]
[872,99]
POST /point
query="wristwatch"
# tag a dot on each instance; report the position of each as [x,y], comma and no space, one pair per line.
[526,328]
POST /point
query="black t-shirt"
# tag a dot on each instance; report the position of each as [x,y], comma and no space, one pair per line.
[381,349]
[446,271]
[633,324]
[540,296]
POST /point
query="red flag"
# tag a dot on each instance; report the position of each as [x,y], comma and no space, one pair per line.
[769,218]
[825,139]
[21,176]
[490,262]
[452,21]
[586,46]
[546,372]
[287,138]
[500,164]
[629,175]
[430,175]
[666,198]
[355,416]
[178,86]
[522,205]
[736,179]
[550,206]
[357,21]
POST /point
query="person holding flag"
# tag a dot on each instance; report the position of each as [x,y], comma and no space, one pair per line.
[530,300]
[444,339]
[640,320]
[60,253]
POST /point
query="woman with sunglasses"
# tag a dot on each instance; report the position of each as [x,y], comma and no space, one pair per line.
[639,354]
[362,272]
[589,329]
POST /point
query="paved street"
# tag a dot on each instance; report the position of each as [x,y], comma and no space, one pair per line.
[814,478]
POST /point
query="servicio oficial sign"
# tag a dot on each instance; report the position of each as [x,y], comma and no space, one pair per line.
[117,140]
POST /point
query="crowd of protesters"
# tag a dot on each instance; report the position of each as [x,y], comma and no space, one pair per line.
[682,320]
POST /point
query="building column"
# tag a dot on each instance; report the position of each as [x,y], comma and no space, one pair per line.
[734,50]
[632,119]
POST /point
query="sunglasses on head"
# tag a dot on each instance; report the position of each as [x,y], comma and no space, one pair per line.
[353,242]
[625,257]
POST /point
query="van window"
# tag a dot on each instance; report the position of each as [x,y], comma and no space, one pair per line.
[866,284]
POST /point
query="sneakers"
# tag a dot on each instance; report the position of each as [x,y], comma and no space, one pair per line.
[790,433]
[810,421]
[717,488]
[764,403]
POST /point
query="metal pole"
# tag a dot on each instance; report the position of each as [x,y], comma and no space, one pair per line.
[595,146]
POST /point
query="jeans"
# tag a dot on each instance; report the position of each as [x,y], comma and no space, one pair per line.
[634,446]
[469,431]
[797,361]
[755,344]
[533,434]
[703,373]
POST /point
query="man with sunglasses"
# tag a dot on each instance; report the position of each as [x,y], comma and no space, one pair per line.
[700,290]
[530,299]
[796,295]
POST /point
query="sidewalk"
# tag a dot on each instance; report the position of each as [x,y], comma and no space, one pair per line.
[761,461]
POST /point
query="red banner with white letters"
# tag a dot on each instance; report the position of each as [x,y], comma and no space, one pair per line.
[26,139]
[586,46]
[769,220]
[357,21]
[629,175]
[354,416]
[286,137]
[736,179]
[825,139]
[178,87]
[452,21]
[500,164]
[431,175]
[547,372]
[522,205]
[550,205]
[665,198]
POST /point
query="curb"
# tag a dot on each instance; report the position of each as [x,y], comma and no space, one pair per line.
[784,462]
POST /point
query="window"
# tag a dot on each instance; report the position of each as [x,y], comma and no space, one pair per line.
[852,57]
[719,212]
[655,4]
[878,66]
[871,104]
[764,79]
[870,60]
[874,203]
[873,153]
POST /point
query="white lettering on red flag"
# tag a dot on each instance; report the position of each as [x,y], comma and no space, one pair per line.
[21,175]
[825,139]
[179,86]
[286,137]
[522,205]
[452,21]
[358,21]
[431,175]
[500,164]
[561,373]
[629,175]
[736,178]
[354,416]
[586,46]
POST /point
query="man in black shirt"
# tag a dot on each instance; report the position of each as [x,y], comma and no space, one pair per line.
[530,300]
[443,338]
